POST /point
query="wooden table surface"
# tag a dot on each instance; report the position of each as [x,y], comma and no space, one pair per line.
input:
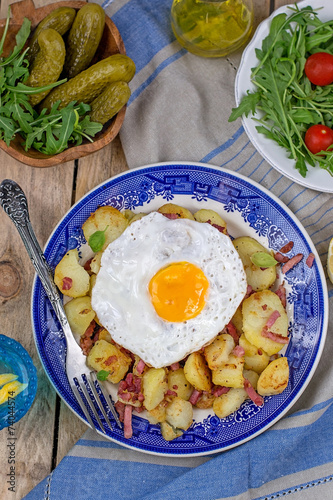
[48,431]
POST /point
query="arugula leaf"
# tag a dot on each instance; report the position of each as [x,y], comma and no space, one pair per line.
[102,375]
[247,105]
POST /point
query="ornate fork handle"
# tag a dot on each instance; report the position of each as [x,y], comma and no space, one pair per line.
[14,203]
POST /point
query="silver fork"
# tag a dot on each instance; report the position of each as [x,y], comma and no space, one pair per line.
[82,380]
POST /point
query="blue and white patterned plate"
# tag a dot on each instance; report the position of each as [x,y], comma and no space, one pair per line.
[249,210]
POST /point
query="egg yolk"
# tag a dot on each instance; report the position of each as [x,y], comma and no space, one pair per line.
[178,291]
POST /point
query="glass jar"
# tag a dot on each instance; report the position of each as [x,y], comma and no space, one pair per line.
[212,28]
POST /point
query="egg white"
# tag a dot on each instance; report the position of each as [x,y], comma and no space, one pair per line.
[121,298]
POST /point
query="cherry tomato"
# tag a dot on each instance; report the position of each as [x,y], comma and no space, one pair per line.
[318,138]
[319,68]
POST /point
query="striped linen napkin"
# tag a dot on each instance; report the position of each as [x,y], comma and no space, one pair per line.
[179,110]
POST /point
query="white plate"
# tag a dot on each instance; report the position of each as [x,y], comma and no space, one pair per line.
[249,210]
[275,155]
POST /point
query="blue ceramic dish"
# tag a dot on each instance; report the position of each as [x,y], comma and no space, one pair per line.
[249,210]
[15,359]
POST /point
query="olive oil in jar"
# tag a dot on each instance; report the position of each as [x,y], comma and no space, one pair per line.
[212,28]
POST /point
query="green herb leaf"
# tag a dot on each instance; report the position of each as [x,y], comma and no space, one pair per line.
[102,375]
[263,260]
[97,240]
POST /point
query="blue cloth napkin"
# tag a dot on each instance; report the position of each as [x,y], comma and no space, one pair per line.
[179,110]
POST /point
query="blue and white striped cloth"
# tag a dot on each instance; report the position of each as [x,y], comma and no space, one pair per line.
[179,110]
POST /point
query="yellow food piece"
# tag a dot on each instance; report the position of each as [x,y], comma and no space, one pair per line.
[330,261]
[204,215]
[177,382]
[7,377]
[11,390]
[79,314]
[107,219]
[257,278]
[106,356]
[217,353]
[171,208]
[155,385]
[274,379]
[256,310]
[230,374]
[179,414]
[197,372]
[69,267]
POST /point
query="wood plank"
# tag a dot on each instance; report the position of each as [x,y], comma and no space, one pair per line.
[49,194]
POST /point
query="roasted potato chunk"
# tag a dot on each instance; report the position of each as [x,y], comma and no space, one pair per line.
[106,356]
[228,403]
[79,314]
[136,217]
[255,359]
[171,208]
[257,278]
[179,414]
[252,377]
[107,219]
[256,310]
[155,385]
[230,374]
[70,277]
[212,217]
[217,353]
[274,379]
[197,372]
[168,432]
[177,382]
[158,414]
[95,264]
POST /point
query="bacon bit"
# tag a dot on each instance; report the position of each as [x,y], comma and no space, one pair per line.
[231,329]
[67,283]
[249,290]
[171,216]
[87,264]
[86,340]
[271,320]
[253,395]
[175,387]
[276,337]
[260,352]
[174,366]
[282,294]
[264,307]
[171,393]
[125,396]
[138,409]
[140,366]
[281,258]
[287,247]
[194,397]
[310,259]
[141,397]
[128,430]
[219,390]
[120,407]
[238,351]
[110,360]
[129,379]
[292,262]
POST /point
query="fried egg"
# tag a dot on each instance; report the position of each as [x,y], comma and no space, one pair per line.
[166,287]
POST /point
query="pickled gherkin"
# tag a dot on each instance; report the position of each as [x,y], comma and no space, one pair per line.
[88,84]
[109,102]
[48,63]
[83,38]
[60,19]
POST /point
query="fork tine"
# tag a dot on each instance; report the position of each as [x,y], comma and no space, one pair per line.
[83,406]
[91,405]
[99,402]
[107,398]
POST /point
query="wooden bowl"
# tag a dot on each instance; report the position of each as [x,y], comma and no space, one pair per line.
[111,43]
